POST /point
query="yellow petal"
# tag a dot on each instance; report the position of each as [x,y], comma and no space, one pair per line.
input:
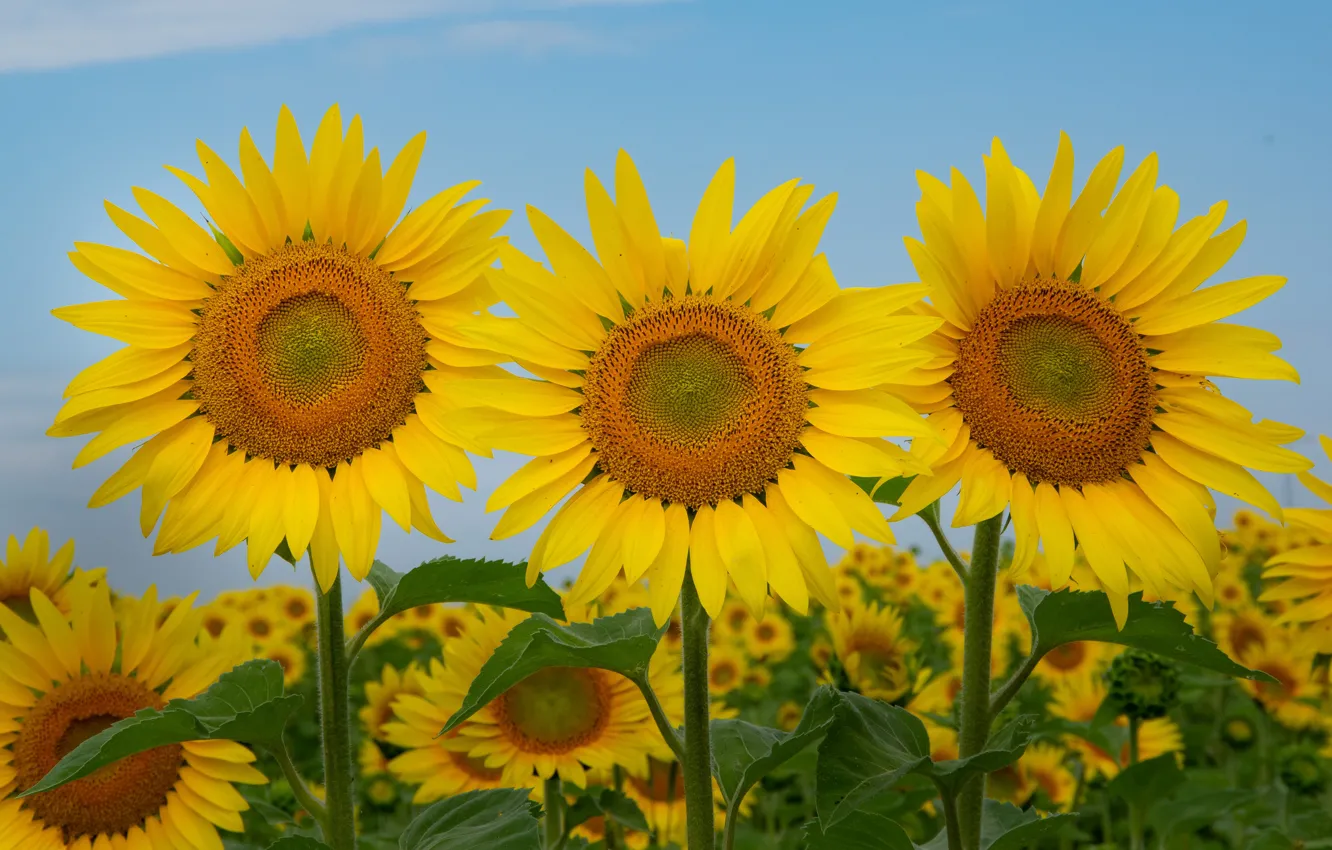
[58,633]
[859,456]
[612,242]
[124,394]
[582,276]
[301,511]
[851,501]
[1056,533]
[969,232]
[384,479]
[234,211]
[604,561]
[325,152]
[153,241]
[356,519]
[152,279]
[1084,219]
[423,223]
[815,288]
[644,538]
[578,523]
[536,300]
[266,519]
[1206,305]
[1228,351]
[1217,473]
[140,421]
[1123,222]
[986,489]
[742,553]
[264,191]
[515,395]
[927,489]
[1180,250]
[398,183]
[1158,223]
[852,307]
[814,507]
[126,366]
[705,564]
[148,324]
[291,172]
[324,542]
[1097,543]
[1214,254]
[363,206]
[806,548]
[546,435]
[95,628]
[782,568]
[422,520]
[1026,532]
[666,574]
[176,462]
[435,462]
[536,474]
[189,239]
[709,235]
[1053,209]
[512,337]
[866,413]
[1008,243]
[1237,441]
[530,508]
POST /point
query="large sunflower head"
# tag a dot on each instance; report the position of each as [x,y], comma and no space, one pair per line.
[284,367]
[1071,372]
[702,401]
[31,565]
[68,677]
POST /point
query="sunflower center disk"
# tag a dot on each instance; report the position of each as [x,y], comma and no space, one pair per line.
[115,797]
[308,355]
[1056,384]
[556,710]
[694,400]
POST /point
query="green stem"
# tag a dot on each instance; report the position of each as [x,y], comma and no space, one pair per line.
[1138,842]
[930,514]
[553,820]
[699,819]
[299,789]
[1015,683]
[664,726]
[974,725]
[951,826]
[335,720]
[614,829]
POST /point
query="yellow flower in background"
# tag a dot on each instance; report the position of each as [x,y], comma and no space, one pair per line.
[280,371]
[876,655]
[361,612]
[31,565]
[296,606]
[770,639]
[699,401]
[1078,658]
[70,677]
[1070,375]
[1046,767]
[726,670]
[1242,631]
[657,788]
[1079,697]
[1303,576]
[291,657]
[380,695]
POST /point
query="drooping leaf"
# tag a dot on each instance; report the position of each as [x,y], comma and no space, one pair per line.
[623,643]
[496,819]
[245,704]
[607,803]
[862,829]
[870,747]
[448,579]
[1006,827]
[1066,616]
[743,753]
[1147,782]
[1005,747]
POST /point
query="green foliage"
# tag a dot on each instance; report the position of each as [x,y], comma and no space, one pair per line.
[743,753]
[607,803]
[246,704]
[1143,783]
[297,842]
[1069,615]
[887,491]
[498,819]
[623,643]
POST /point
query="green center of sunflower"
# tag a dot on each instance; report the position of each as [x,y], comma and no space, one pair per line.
[694,400]
[1055,382]
[311,354]
[113,798]
[556,709]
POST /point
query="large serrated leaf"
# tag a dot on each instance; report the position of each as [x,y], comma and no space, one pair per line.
[1148,781]
[1004,747]
[1006,827]
[609,803]
[448,579]
[623,643]
[743,753]
[1066,616]
[245,704]
[860,830]
[869,749]
[497,819]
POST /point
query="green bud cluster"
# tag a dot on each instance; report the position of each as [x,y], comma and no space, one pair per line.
[1143,685]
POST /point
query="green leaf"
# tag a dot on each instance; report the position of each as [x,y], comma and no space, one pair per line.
[607,803]
[1147,782]
[860,830]
[1005,747]
[889,492]
[1068,615]
[743,753]
[228,247]
[497,819]
[870,748]
[245,704]
[451,579]
[623,643]
[297,842]
[1006,827]
[1192,810]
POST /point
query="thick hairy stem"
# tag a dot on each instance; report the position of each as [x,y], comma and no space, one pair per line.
[697,762]
[335,720]
[554,817]
[974,725]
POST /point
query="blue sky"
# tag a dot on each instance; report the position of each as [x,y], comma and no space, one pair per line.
[97,94]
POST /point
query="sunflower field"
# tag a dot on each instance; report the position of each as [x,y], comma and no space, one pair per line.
[1106,666]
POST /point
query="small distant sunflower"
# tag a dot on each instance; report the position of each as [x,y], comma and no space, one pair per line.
[657,788]
[290,657]
[869,642]
[1077,658]
[1240,632]
[216,619]
[1286,658]
[726,670]
[1047,767]
[1071,373]
[262,624]
[452,621]
[280,366]
[361,612]
[370,758]
[1305,573]
[68,678]
[296,606]
[1078,698]
[770,639]
[701,402]
[379,697]
[32,566]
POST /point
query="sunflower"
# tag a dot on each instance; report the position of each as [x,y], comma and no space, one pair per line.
[726,670]
[69,677]
[701,402]
[1070,374]
[869,642]
[217,618]
[657,788]
[290,657]
[1079,697]
[370,758]
[1305,573]
[379,697]
[281,365]
[296,606]
[1240,631]
[362,611]
[1046,765]
[770,639]
[1077,658]
[32,566]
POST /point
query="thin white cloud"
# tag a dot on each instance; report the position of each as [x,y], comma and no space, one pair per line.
[38,35]
[530,38]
